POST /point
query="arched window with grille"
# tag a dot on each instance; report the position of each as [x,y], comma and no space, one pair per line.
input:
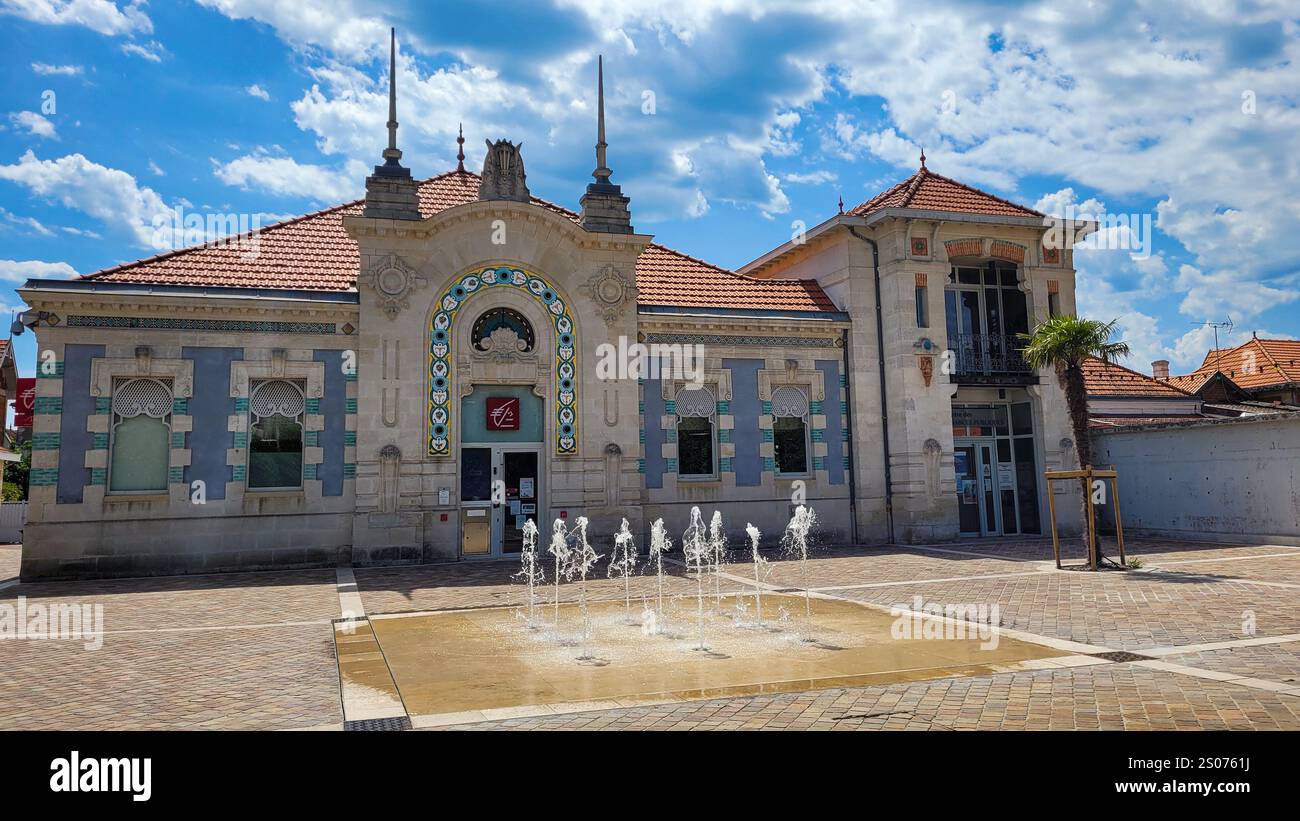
[140,447]
[696,415]
[790,430]
[275,436]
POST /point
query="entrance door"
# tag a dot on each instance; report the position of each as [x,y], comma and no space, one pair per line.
[978,510]
[500,490]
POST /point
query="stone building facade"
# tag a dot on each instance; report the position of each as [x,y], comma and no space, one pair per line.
[410,377]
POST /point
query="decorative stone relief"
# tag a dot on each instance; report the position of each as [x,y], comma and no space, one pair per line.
[933,452]
[179,371]
[611,290]
[390,462]
[503,345]
[503,175]
[393,282]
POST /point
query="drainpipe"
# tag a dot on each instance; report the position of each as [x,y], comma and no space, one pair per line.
[880,363]
[848,424]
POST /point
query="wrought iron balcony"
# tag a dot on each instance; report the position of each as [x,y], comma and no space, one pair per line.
[990,359]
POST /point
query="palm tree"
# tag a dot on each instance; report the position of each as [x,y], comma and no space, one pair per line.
[1064,342]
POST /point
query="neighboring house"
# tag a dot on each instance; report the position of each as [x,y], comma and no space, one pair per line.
[410,377]
[1259,370]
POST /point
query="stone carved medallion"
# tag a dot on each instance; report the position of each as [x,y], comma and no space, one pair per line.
[611,290]
[393,282]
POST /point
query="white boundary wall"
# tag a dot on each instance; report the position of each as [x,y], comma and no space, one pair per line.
[1217,480]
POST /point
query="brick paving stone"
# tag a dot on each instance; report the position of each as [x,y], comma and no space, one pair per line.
[266,678]
[196,601]
[1285,569]
[1271,662]
[1126,611]
[1105,697]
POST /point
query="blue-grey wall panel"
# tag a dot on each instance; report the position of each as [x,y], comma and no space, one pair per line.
[745,410]
[830,369]
[653,399]
[210,409]
[78,405]
[333,405]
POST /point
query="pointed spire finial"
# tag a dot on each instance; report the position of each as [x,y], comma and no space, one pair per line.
[460,149]
[841,203]
[923,158]
[392,154]
[602,172]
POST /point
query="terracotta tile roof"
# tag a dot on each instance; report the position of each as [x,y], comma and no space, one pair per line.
[314,252]
[934,192]
[1256,363]
[1138,421]
[1109,379]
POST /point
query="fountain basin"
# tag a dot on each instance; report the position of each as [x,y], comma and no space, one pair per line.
[465,663]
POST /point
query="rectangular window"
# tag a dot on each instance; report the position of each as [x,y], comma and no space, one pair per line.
[922,309]
[1053,304]
[695,447]
[790,440]
[140,450]
[276,410]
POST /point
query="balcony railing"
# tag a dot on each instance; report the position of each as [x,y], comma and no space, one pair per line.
[990,355]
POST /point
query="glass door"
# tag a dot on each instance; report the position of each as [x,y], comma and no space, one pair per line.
[992,525]
[968,508]
[520,475]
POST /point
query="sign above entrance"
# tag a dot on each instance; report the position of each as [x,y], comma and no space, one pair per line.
[502,413]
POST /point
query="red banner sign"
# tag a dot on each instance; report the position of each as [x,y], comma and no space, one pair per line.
[502,413]
[25,402]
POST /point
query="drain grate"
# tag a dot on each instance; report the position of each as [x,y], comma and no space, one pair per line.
[1120,655]
[382,724]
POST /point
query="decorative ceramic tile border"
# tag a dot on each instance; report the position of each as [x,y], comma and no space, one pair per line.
[440,354]
[724,339]
[236,325]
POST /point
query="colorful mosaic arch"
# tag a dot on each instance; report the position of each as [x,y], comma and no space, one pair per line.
[441,394]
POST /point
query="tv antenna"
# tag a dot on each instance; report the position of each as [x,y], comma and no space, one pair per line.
[1227,326]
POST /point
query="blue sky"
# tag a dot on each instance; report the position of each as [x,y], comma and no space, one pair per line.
[729,120]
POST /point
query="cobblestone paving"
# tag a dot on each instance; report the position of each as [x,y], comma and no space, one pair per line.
[1125,611]
[196,601]
[266,678]
[1271,662]
[1105,697]
[182,652]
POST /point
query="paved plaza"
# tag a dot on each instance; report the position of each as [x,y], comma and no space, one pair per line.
[1210,636]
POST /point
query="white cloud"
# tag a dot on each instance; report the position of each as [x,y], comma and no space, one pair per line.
[46,70]
[810,177]
[287,177]
[257,91]
[30,223]
[12,270]
[156,169]
[107,194]
[338,26]
[152,51]
[102,16]
[34,124]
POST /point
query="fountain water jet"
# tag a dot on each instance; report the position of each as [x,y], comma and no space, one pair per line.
[578,560]
[698,550]
[530,571]
[761,570]
[623,562]
[560,550]
[718,541]
[659,545]
[795,542]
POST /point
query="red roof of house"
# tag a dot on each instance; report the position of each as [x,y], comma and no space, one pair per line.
[1109,379]
[1256,363]
[314,252]
[929,191]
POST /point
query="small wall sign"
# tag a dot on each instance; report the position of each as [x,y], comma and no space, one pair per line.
[502,413]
